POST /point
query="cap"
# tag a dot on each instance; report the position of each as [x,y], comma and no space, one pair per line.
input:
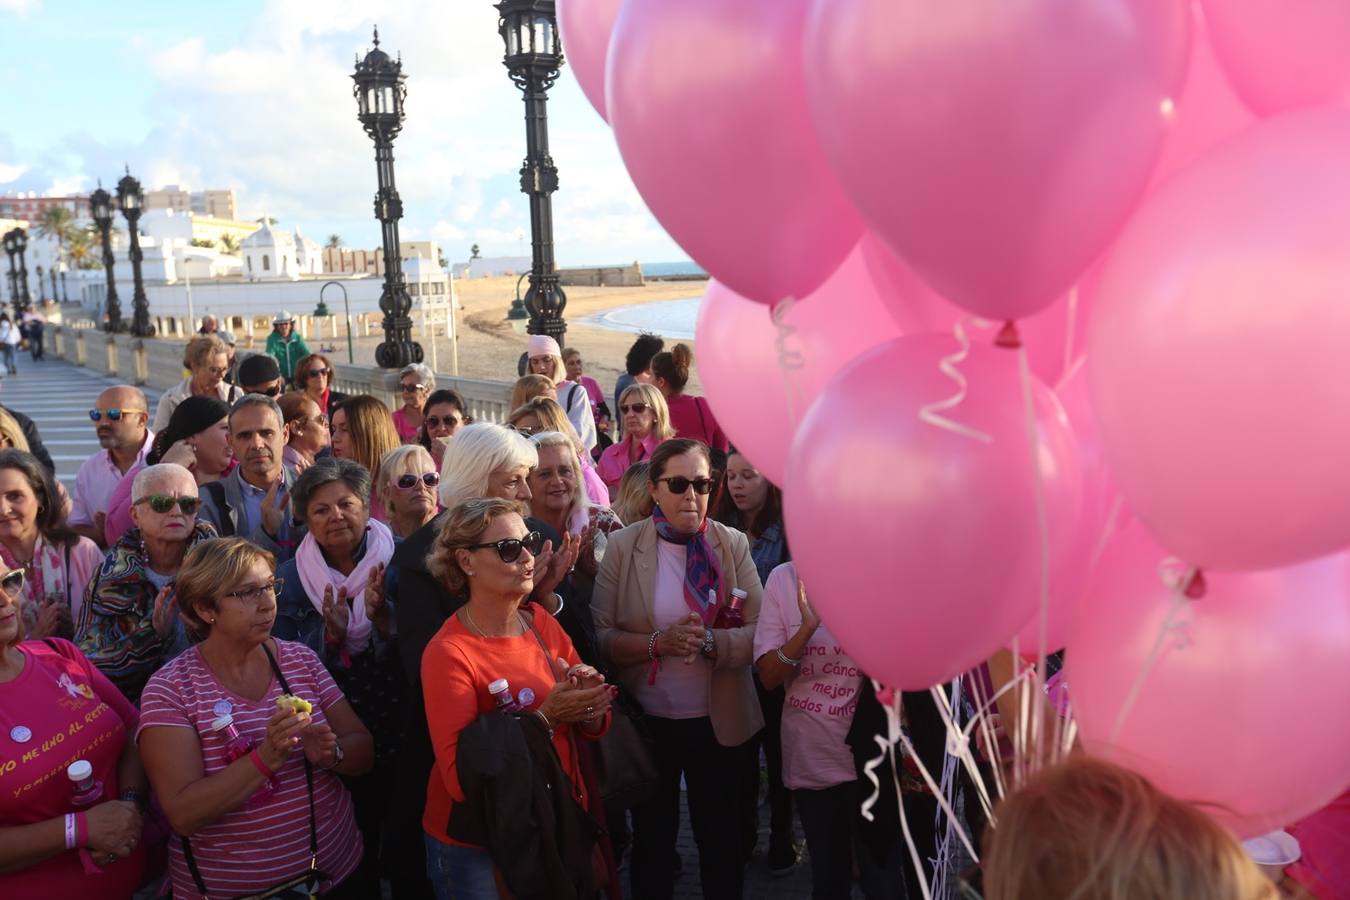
[283,317]
[501,684]
[542,345]
[258,368]
[220,723]
[79,770]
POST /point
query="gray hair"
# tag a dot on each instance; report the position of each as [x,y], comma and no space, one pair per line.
[327,471]
[155,475]
[260,400]
[477,451]
[543,439]
[423,373]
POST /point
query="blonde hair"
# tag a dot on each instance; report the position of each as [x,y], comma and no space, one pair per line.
[201,348]
[558,439]
[634,502]
[1087,829]
[651,396]
[559,367]
[477,451]
[209,568]
[463,525]
[409,458]
[551,417]
[12,433]
[527,387]
[371,426]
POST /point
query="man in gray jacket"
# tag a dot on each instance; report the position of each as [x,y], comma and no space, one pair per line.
[253,501]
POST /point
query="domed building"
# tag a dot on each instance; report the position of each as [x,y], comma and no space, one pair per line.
[271,253]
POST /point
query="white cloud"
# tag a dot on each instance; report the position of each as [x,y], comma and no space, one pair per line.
[20,7]
[10,172]
[444,231]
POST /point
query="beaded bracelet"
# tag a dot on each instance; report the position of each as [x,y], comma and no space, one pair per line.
[652,651]
[785,659]
[71,833]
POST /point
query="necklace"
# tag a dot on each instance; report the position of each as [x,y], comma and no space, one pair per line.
[464,610]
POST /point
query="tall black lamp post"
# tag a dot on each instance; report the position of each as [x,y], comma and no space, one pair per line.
[11,250]
[380,91]
[529,29]
[18,240]
[101,208]
[51,274]
[130,200]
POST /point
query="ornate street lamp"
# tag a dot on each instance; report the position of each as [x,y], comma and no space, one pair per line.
[65,298]
[380,92]
[11,250]
[24,301]
[101,208]
[130,200]
[51,273]
[39,283]
[529,29]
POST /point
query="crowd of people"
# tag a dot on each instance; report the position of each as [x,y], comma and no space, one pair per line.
[283,641]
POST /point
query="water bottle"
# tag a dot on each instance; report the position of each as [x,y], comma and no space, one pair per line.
[88,789]
[500,691]
[732,615]
[236,746]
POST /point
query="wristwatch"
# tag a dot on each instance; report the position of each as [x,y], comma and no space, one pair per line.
[708,645]
[338,756]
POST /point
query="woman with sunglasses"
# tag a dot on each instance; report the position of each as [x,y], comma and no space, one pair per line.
[415,384]
[129,624]
[198,439]
[661,586]
[486,550]
[409,489]
[364,433]
[57,563]
[332,601]
[443,415]
[646,423]
[251,786]
[308,430]
[52,697]
[314,376]
[208,358]
[543,414]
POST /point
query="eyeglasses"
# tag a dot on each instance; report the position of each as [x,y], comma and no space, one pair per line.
[438,421]
[525,430]
[12,583]
[255,595]
[409,481]
[678,484]
[217,370]
[509,548]
[162,504]
[114,414]
[270,392]
[638,408]
[411,388]
[315,373]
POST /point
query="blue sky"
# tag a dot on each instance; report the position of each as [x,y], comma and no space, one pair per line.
[255,95]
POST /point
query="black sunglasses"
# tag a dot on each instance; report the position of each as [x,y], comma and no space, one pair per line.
[162,504]
[12,583]
[509,548]
[639,408]
[526,430]
[315,373]
[409,481]
[437,421]
[113,415]
[411,388]
[678,484]
[270,392]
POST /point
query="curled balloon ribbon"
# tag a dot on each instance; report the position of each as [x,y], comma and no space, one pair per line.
[949,366]
[884,745]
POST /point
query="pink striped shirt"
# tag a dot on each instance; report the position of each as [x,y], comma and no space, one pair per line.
[266,840]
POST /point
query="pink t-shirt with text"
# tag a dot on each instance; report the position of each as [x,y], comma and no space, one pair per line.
[821,697]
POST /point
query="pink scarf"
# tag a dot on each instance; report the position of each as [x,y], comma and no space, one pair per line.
[316,574]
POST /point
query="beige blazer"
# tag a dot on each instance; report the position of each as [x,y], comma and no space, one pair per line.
[624,599]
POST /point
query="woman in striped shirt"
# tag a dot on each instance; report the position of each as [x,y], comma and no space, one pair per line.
[250,783]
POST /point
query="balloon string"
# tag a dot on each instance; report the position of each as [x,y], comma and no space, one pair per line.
[883,744]
[790,360]
[904,828]
[981,719]
[1177,577]
[932,412]
[1043,525]
[936,791]
[958,745]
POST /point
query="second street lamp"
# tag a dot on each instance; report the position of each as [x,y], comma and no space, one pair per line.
[380,91]
[11,249]
[529,29]
[101,209]
[130,200]
[24,301]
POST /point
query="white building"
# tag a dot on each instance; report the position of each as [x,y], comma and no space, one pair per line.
[270,254]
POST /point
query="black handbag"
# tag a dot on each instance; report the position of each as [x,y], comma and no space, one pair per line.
[303,885]
[625,762]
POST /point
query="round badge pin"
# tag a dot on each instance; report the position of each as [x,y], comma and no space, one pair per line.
[222,708]
[20,734]
[525,697]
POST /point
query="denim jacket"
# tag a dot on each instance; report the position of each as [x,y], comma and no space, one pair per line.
[298,620]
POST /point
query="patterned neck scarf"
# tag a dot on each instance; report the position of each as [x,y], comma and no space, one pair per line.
[702,569]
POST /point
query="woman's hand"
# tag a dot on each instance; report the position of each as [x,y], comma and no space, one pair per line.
[810,620]
[568,702]
[555,564]
[336,613]
[376,610]
[581,674]
[114,830]
[283,733]
[273,509]
[54,621]
[586,548]
[682,638]
[182,453]
[320,743]
[166,609]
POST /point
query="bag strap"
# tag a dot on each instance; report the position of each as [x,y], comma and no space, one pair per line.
[309,782]
[552,663]
[68,604]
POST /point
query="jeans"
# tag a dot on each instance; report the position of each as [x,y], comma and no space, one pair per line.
[713,774]
[460,873]
[8,351]
[830,820]
[780,798]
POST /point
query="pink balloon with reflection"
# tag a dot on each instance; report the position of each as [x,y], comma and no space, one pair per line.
[586,26]
[1244,709]
[922,544]
[708,103]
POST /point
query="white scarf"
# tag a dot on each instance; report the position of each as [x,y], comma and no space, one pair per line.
[316,574]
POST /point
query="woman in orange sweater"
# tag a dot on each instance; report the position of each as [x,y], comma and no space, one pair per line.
[484,547]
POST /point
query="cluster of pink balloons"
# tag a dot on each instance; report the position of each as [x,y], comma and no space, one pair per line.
[1157,192]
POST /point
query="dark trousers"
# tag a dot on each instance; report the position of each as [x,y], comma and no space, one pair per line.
[830,819]
[780,798]
[713,775]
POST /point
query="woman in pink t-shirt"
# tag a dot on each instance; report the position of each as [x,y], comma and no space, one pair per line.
[248,779]
[646,423]
[55,709]
[690,416]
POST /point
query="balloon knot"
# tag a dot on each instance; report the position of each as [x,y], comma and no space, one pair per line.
[1008,338]
[886,696]
[1195,586]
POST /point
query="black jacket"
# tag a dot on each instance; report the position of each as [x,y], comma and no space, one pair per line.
[535,830]
[30,434]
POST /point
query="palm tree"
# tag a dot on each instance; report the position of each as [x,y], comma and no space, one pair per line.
[229,243]
[85,250]
[202,242]
[57,222]
[334,241]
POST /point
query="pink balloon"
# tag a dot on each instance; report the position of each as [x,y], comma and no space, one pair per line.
[922,545]
[739,362]
[1283,54]
[708,104]
[585,27]
[1244,708]
[997,147]
[1217,350]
